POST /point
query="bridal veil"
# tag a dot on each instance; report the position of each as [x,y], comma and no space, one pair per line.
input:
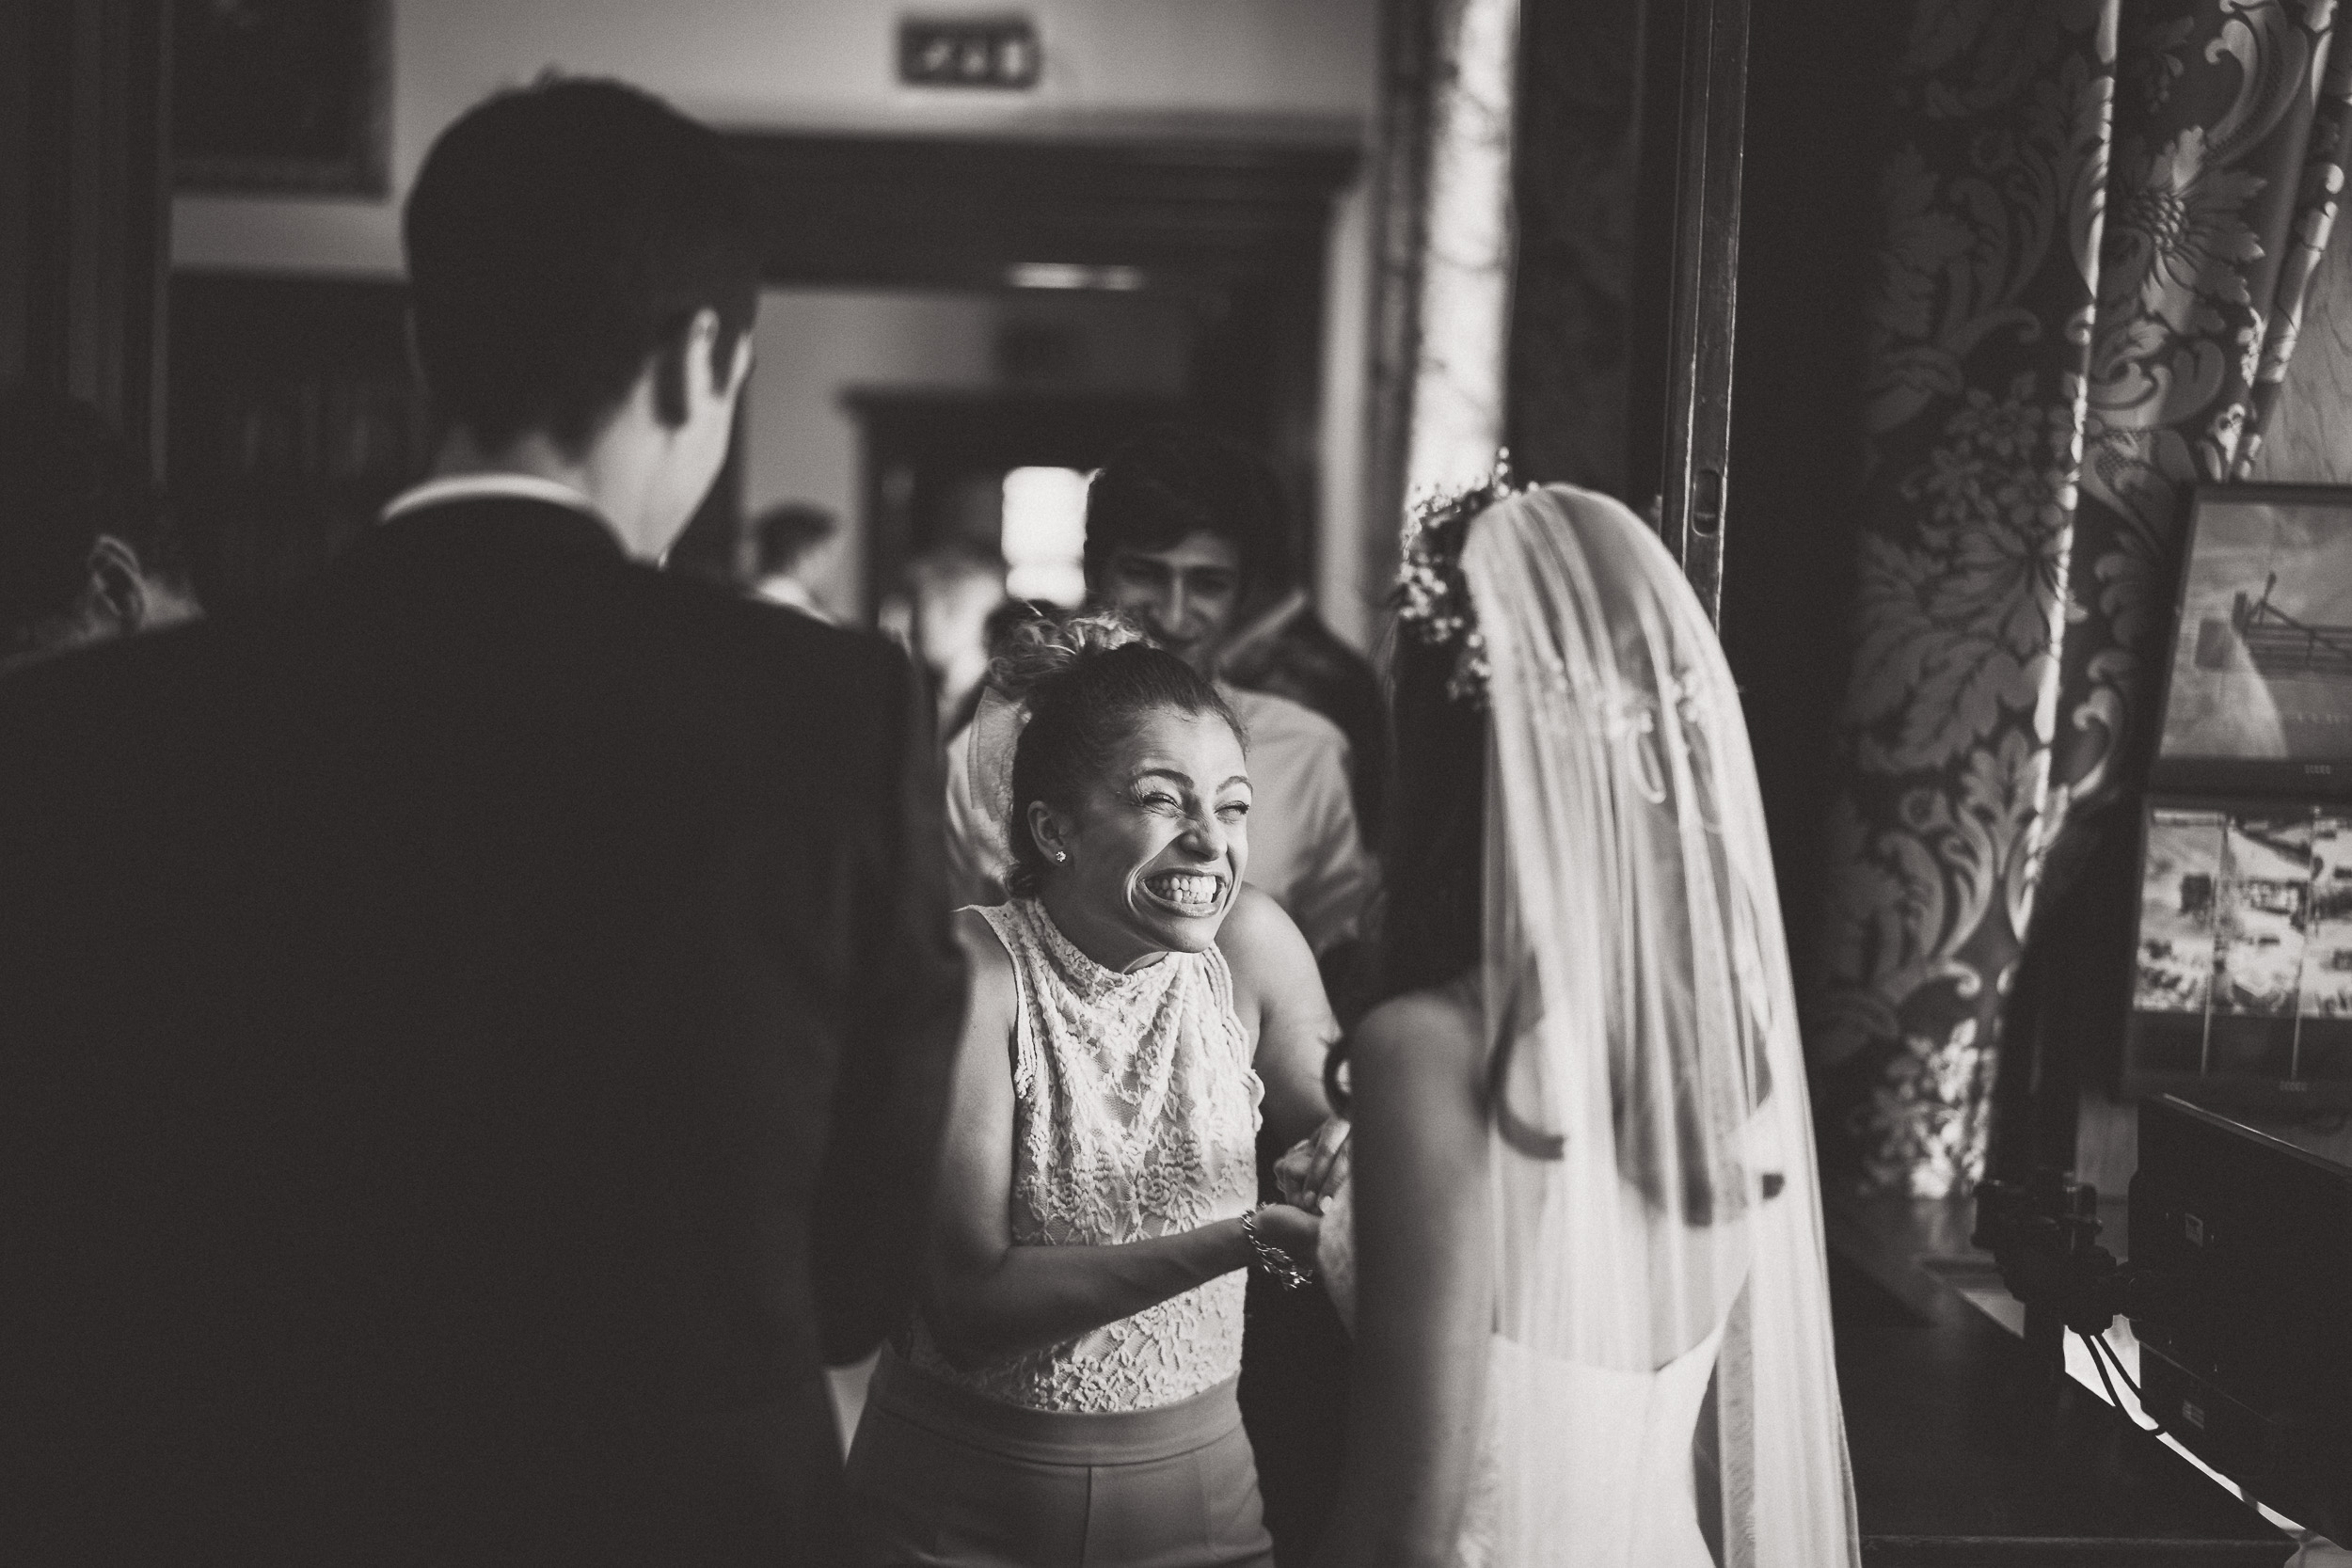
[1656,1185]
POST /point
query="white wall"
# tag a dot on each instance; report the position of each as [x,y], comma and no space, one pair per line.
[807,63]
[831,64]
[815,344]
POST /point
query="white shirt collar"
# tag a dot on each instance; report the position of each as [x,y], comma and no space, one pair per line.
[465,487]
[792,593]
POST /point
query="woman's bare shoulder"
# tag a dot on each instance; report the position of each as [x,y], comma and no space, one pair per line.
[993,990]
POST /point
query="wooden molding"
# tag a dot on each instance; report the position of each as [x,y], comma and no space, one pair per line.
[962,213]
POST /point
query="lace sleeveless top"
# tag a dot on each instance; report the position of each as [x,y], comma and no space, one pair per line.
[1135,1115]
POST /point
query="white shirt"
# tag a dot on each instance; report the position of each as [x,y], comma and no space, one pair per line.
[791,592]
[1305,849]
[468,487]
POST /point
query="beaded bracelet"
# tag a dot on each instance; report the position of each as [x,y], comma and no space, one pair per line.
[1277,1263]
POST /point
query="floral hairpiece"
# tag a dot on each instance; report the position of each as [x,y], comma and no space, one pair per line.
[1433,599]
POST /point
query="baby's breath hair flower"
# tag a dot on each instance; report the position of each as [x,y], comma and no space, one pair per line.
[1433,601]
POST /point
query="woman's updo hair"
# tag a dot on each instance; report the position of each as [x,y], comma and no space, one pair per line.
[1088,682]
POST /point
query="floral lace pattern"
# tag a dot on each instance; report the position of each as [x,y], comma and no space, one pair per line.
[1136,1115]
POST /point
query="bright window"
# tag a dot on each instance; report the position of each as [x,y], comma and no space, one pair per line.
[1045,534]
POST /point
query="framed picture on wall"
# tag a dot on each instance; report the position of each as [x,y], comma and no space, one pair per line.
[2258,694]
[281,95]
[2242,975]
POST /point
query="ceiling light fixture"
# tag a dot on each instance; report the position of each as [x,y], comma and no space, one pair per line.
[1075,275]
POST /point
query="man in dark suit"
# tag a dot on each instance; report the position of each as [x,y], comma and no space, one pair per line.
[472,1038]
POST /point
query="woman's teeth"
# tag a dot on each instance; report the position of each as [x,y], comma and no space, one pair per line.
[1187,890]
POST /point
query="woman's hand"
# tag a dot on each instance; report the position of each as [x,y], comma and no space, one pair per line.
[1316,1166]
[1294,1231]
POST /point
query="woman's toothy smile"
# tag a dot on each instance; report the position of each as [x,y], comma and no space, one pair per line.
[1192,893]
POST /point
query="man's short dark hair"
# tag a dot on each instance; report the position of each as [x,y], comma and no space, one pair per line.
[1173,482]
[66,478]
[558,238]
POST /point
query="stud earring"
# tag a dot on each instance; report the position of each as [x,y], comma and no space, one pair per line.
[1060,855]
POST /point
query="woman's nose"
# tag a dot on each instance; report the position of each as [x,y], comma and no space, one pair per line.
[1206,836]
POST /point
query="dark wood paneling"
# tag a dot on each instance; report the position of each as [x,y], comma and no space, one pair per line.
[16,172]
[935,212]
[1702,309]
[85,93]
[1808,211]
[1964,1455]
[1236,229]
[1573,181]
[919,446]
[294,418]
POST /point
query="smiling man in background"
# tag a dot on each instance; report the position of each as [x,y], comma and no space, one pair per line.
[1182,530]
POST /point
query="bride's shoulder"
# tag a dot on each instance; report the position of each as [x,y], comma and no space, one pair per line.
[1423,1035]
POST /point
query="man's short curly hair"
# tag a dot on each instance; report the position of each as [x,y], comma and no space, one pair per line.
[1172,482]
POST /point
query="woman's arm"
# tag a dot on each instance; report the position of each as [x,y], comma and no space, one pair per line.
[987,1297]
[1424,1290]
[1278,993]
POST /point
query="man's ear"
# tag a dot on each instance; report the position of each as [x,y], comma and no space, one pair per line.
[116,589]
[692,353]
[731,368]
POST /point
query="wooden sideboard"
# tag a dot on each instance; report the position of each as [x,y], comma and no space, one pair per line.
[1961,1456]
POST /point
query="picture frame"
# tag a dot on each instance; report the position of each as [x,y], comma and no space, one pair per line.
[2257,693]
[290,97]
[2241,984]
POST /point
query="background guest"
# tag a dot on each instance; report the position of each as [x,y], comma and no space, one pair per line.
[1072,1375]
[1179,533]
[941,614]
[87,550]
[786,538]
[1249,621]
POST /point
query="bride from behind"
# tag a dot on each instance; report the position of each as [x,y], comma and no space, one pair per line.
[1581,1245]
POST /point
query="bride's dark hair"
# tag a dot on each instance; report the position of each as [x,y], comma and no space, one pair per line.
[1433,922]
[1435,851]
[1432,929]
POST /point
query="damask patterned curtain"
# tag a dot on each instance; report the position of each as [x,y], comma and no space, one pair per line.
[2099,220]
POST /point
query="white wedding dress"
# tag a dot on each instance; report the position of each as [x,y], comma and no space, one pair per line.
[1624,1490]
[1655,1205]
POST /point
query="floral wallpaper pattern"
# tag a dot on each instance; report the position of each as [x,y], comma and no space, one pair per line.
[2098,219]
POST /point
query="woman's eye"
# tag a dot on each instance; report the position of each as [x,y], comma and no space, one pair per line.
[1233,811]
[1161,802]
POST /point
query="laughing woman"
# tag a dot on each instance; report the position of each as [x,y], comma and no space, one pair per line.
[1067,1394]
